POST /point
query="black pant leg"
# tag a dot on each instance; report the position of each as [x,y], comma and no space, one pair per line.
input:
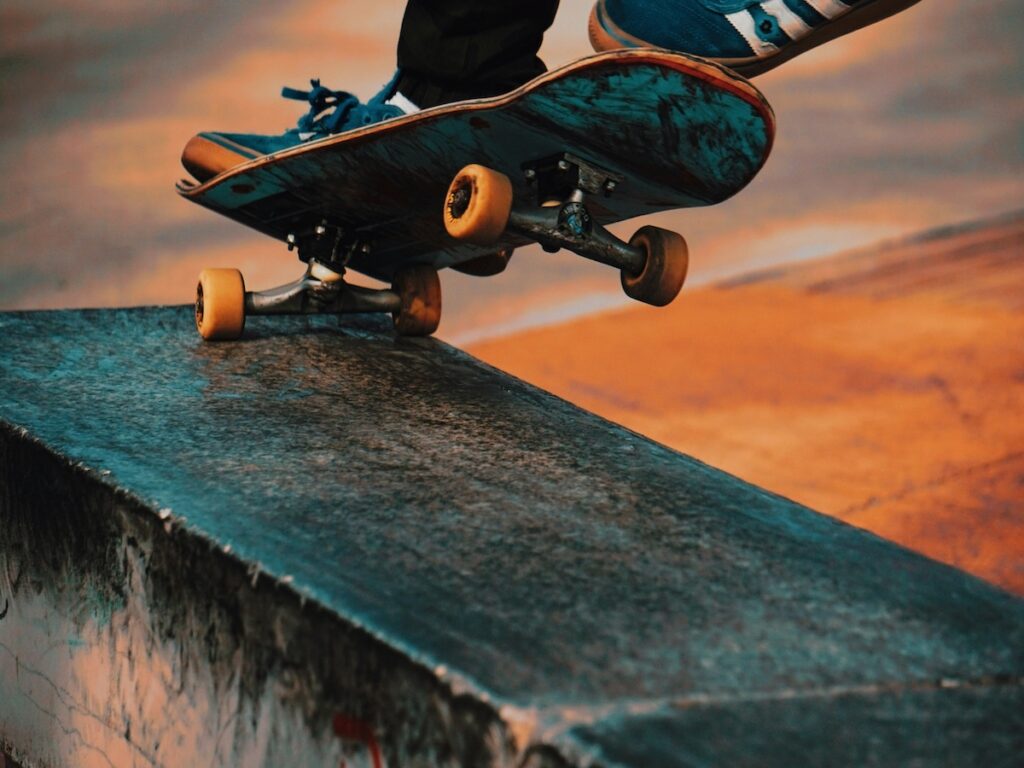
[450,50]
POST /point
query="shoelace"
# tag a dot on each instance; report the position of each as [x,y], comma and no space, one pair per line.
[346,111]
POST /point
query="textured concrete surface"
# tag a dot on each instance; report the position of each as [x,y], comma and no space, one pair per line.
[881,387]
[520,580]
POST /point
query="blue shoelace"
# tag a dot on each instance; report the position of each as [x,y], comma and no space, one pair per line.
[336,111]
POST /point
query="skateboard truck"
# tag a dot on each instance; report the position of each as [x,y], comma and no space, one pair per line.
[222,303]
[481,207]
[320,290]
[571,226]
[560,183]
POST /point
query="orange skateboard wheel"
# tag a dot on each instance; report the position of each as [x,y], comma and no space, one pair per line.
[220,304]
[477,205]
[664,272]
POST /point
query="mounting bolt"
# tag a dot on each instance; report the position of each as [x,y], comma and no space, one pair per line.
[365,248]
[563,165]
[320,229]
[609,186]
[291,241]
[530,174]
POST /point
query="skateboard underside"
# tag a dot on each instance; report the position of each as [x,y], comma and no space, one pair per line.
[667,131]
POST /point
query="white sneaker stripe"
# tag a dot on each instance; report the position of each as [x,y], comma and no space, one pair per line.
[829,8]
[403,103]
[743,22]
[791,24]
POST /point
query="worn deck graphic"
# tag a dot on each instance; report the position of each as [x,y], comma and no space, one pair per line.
[679,131]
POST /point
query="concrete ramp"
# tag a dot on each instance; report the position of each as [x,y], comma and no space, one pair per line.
[326,546]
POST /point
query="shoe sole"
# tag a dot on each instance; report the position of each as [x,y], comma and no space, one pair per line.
[606,35]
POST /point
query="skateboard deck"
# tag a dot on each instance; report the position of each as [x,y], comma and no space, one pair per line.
[680,132]
[647,130]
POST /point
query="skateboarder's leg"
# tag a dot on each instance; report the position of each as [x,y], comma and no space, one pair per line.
[750,36]
[450,50]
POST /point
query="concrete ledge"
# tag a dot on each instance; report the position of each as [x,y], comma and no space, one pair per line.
[323,543]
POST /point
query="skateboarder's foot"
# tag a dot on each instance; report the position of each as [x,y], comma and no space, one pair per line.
[208,154]
[749,36]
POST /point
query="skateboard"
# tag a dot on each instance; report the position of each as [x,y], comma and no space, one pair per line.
[606,138]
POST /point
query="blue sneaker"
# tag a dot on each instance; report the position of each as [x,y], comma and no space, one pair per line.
[748,36]
[208,154]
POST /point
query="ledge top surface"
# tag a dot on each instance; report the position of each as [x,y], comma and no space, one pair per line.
[541,556]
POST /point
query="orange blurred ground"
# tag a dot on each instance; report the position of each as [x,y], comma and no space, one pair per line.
[884,387]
